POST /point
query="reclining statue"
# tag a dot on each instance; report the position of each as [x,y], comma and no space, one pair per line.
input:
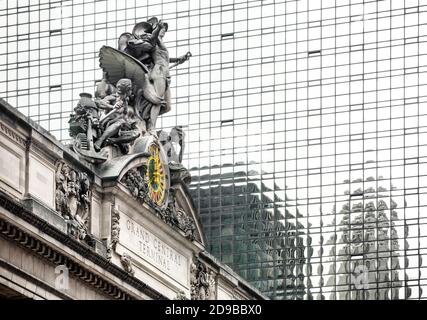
[92,131]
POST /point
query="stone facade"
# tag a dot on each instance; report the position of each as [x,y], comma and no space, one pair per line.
[72,229]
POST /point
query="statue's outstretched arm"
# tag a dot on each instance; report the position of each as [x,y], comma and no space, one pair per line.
[180,59]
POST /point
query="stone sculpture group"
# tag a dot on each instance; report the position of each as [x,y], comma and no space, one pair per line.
[134,91]
[121,120]
[119,123]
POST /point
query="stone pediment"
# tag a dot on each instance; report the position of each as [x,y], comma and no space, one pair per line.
[185,201]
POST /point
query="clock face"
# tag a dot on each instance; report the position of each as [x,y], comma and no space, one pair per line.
[157,176]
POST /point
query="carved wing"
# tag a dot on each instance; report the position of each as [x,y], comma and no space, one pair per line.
[118,65]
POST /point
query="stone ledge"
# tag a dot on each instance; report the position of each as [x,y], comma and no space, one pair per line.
[14,232]
[45,213]
[31,283]
[228,274]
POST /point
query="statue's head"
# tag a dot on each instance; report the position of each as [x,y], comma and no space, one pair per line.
[66,169]
[141,29]
[145,27]
[124,87]
[164,28]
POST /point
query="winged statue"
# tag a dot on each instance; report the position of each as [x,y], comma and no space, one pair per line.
[134,91]
[143,58]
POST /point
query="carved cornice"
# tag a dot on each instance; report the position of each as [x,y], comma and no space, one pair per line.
[47,252]
[28,277]
[39,150]
[13,135]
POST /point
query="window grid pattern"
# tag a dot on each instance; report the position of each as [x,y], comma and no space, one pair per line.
[306,127]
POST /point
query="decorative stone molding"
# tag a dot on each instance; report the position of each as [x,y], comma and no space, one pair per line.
[13,135]
[202,281]
[73,198]
[115,227]
[186,224]
[136,184]
[73,194]
[173,215]
[180,296]
[177,217]
[111,242]
[125,259]
[47,252]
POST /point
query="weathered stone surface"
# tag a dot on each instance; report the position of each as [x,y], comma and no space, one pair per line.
[10,167]
[150,248]
[100,248]
[45,213]
[41,182]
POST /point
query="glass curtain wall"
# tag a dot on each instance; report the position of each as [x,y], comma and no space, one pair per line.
[309,114]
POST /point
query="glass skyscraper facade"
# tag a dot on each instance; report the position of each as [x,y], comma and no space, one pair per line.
[305,121]
[254,234]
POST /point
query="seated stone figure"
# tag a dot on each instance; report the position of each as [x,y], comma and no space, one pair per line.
[92,130]
[84,125]
[118,125]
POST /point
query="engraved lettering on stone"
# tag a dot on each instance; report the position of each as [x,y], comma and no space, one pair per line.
[153,248]
[149,247]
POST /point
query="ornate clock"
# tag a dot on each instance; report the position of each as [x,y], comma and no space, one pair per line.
[157,175]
